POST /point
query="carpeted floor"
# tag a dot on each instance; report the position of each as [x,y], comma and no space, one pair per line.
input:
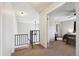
[57,48]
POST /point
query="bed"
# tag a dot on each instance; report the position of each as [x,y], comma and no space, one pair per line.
[70,38]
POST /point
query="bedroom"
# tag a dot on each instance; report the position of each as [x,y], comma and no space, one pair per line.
[62,26]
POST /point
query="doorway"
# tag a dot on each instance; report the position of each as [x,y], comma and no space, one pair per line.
[62,28]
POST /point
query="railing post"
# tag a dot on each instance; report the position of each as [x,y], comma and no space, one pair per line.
[31,38]
[34,34]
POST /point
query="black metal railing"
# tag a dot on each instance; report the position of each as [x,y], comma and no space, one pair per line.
[34,36]
[21,39]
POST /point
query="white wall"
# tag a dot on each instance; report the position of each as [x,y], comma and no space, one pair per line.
[30,14]
[24,28]
[0,31]
[8,28]
[0,34]
[59,28]
[44,23]
[77,29]
[67,26]
[26,22]
[43,30]
[51,28]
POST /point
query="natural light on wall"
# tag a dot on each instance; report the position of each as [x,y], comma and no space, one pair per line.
[70,30]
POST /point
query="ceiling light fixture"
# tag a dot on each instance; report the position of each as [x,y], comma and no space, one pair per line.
[21,13]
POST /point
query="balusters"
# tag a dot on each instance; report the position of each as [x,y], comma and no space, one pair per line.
[35,36]
[21,39]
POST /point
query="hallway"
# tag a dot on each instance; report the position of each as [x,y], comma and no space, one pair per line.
[57,48]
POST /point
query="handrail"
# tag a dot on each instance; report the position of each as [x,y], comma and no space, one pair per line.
[21,34]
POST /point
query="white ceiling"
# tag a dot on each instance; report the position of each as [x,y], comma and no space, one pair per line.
[40,6]
[29,13]
[64,12]
[30,10]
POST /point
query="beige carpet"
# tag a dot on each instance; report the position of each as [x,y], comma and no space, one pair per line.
[57,48]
